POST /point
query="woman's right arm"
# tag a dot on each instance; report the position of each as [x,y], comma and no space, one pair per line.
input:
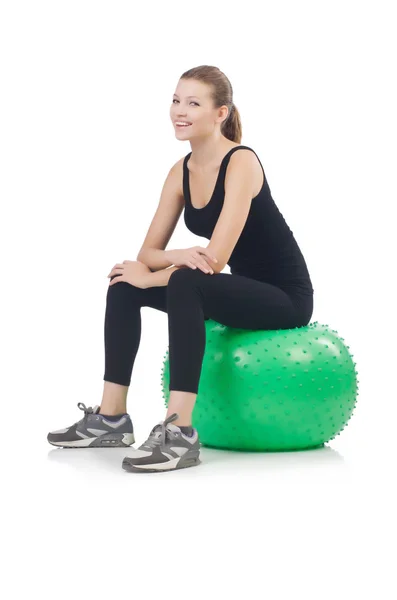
[164,221]
[155,259]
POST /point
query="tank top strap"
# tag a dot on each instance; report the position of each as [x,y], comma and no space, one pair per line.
[226,158]
[185,177]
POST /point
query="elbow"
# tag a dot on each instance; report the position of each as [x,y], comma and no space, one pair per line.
[217,268]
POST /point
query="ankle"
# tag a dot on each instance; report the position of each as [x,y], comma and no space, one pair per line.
[112,412]
[114,398]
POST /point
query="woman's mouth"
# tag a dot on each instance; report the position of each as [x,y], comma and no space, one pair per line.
[181,125]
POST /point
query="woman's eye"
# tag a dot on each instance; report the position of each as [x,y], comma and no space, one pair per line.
[175,100]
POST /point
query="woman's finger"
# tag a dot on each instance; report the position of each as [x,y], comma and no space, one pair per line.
[208,253]
[114,271]
[115,280]
[201,260]
[210,256]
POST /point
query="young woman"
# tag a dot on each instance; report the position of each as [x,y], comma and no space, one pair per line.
[222,188]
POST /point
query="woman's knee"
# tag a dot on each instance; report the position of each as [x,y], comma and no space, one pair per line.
[122,287]
[181,276]
[184,274]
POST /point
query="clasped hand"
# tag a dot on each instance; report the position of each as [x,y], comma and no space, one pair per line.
[133,272]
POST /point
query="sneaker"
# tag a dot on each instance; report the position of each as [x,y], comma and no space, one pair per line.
[166,449]
[94,431]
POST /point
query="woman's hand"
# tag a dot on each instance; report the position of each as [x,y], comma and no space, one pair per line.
[133,272]
[193,258]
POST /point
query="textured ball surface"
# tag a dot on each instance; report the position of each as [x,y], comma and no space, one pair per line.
[272,390]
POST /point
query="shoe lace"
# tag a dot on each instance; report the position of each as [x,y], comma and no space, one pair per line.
[88,410]
[161,432]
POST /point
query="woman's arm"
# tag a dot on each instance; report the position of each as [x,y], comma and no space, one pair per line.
[160,278]
[154,259]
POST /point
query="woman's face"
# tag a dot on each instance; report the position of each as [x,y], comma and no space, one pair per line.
[192,103]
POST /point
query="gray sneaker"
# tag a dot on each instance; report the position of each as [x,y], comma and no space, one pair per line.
[166,449]
[94,431]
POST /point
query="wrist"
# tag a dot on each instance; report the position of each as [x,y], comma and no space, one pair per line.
[147,281]
[168,257]
[159,278]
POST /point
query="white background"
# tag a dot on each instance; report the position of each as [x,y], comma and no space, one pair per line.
[86,143]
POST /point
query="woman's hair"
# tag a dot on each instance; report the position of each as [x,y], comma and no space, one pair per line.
[221,93]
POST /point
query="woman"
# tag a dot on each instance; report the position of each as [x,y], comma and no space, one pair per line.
[222,188]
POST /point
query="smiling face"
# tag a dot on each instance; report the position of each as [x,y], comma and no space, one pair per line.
[192,103]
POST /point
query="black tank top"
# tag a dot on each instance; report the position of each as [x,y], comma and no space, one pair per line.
[266,249]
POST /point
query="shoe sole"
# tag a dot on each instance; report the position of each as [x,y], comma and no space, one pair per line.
[171,465]
[108,440]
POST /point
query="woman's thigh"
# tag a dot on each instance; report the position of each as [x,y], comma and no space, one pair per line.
[241,302]
[127,295]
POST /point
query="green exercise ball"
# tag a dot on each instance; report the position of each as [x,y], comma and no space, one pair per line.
[272,390]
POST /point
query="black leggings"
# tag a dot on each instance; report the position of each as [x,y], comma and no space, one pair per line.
[190,298]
